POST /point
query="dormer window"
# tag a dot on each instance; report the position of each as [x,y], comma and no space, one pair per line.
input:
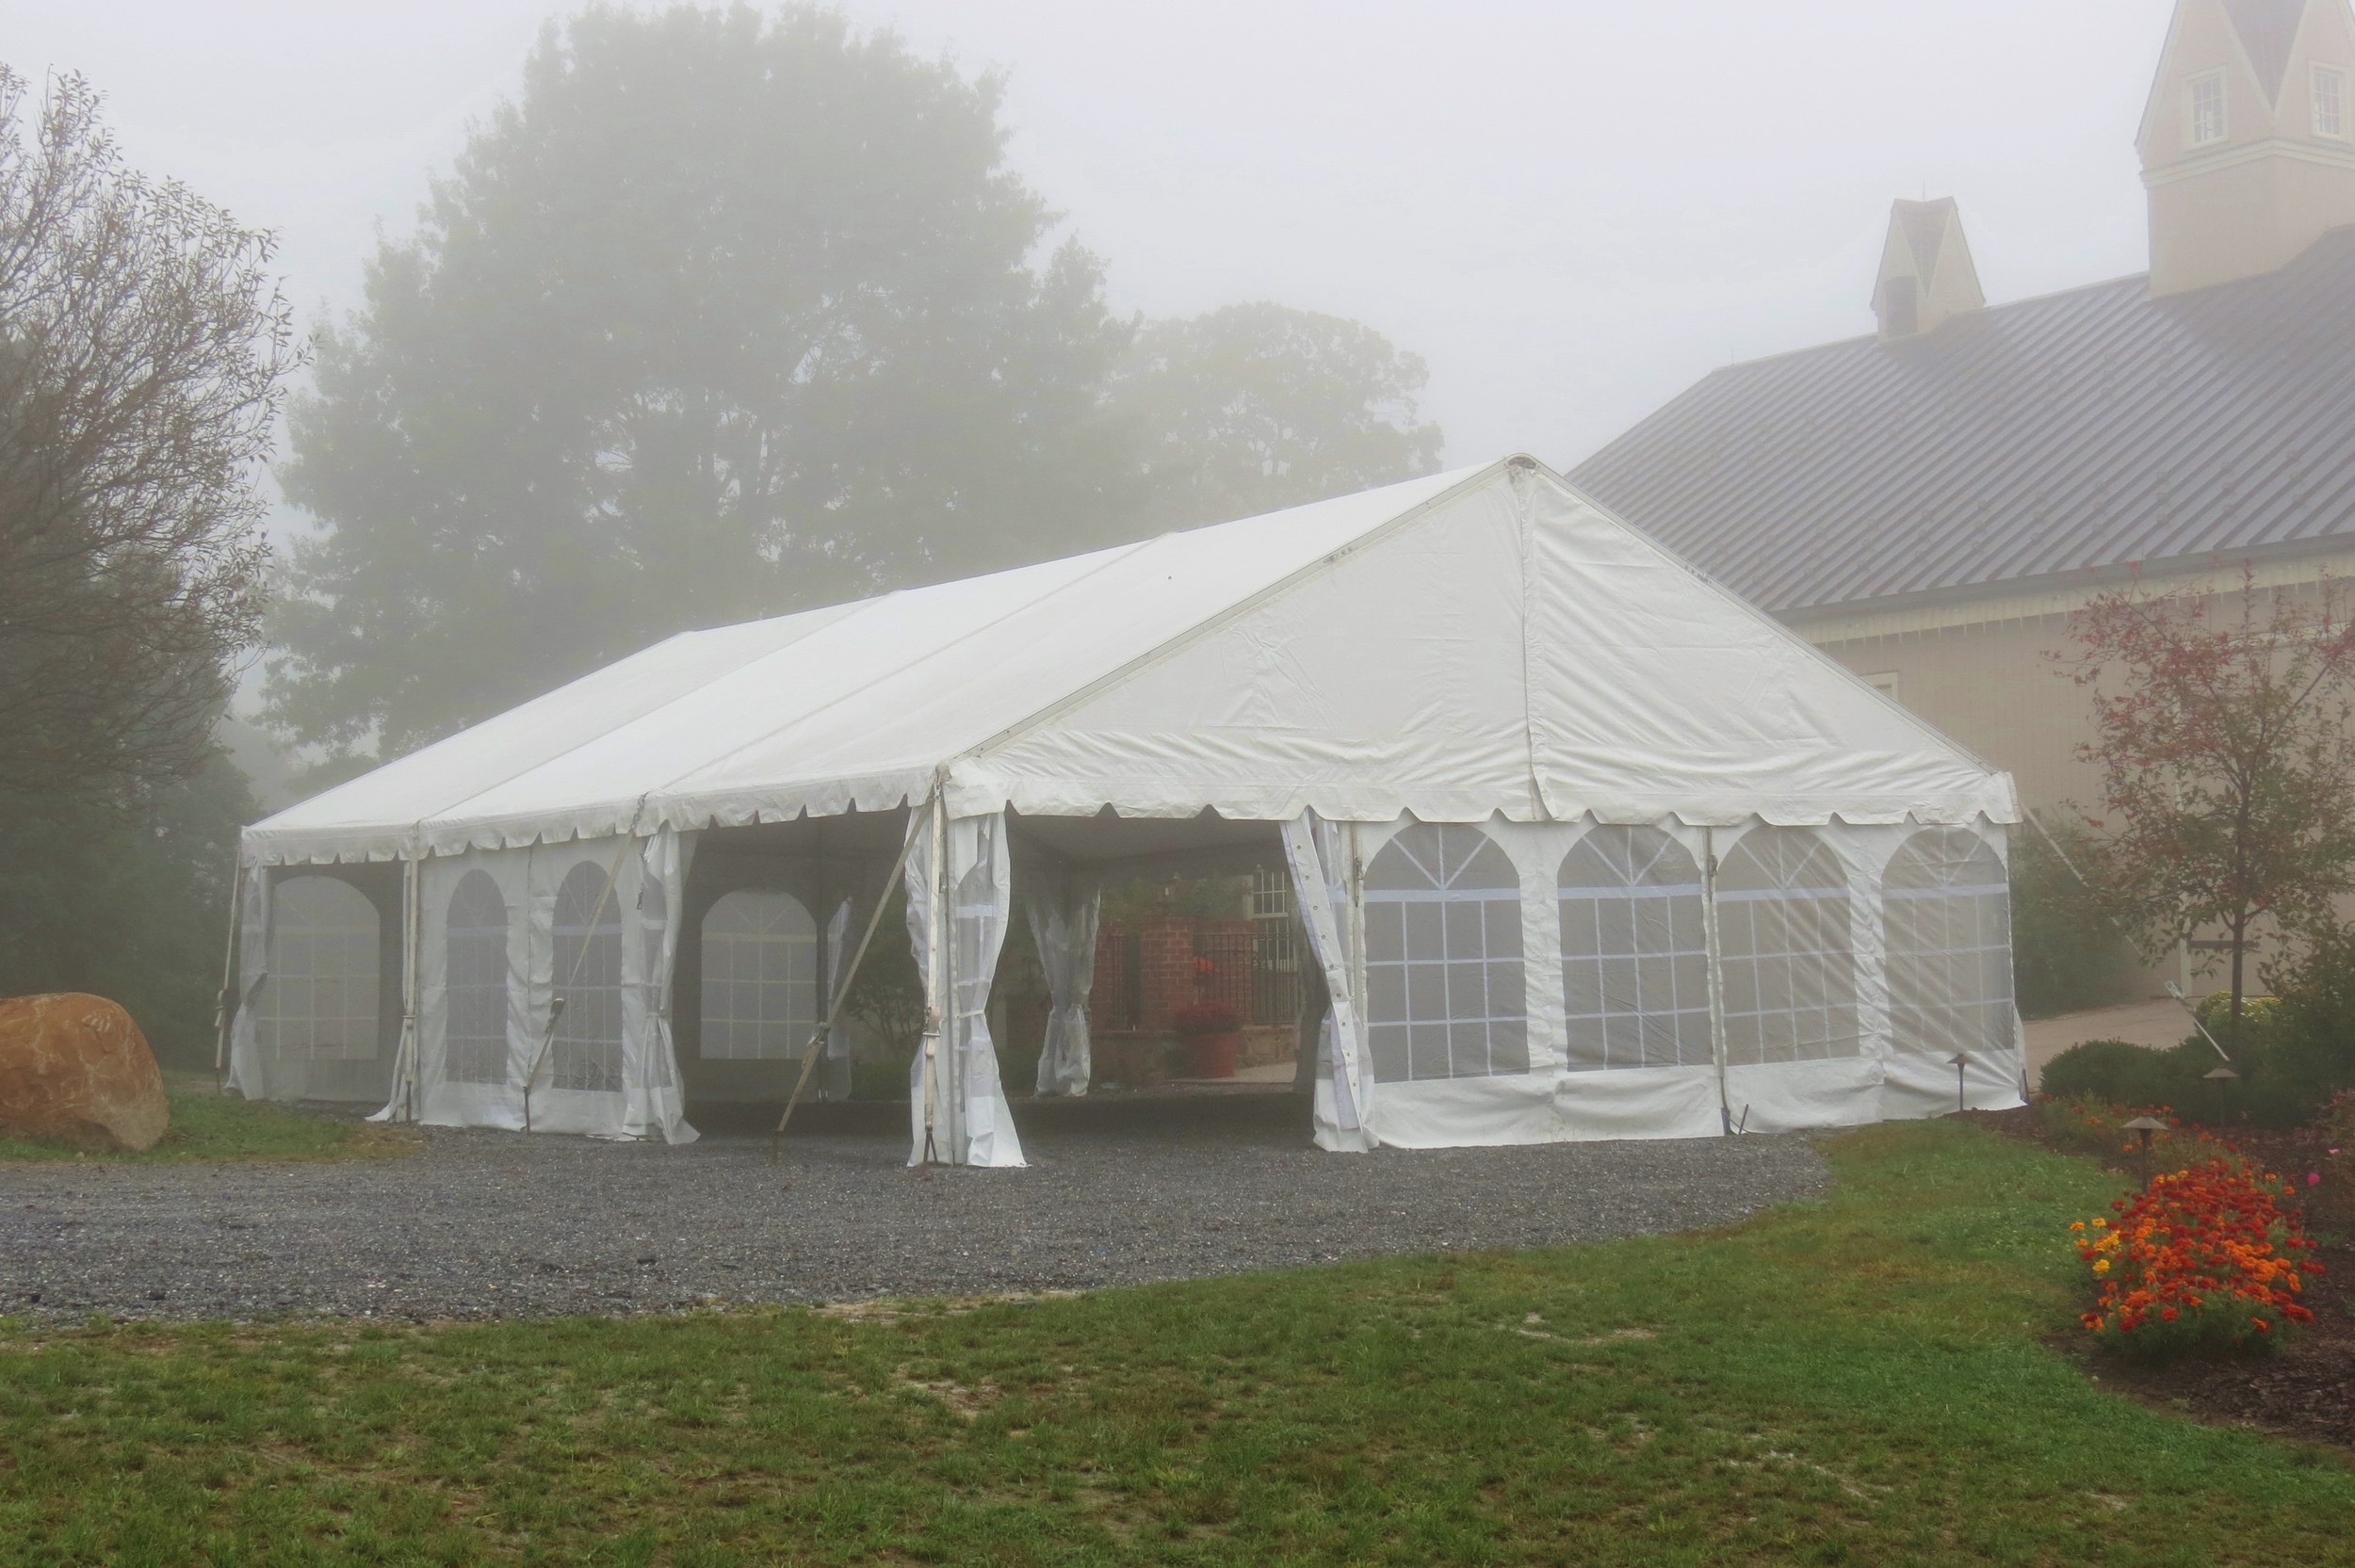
[2204,102]
[2330,102]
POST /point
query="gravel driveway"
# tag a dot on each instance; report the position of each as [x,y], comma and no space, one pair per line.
[484,1224]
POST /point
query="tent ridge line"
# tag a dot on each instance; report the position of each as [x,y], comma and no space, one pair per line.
[1235,611]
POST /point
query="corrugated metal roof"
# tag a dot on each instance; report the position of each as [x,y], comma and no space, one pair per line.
[2081,429]
[2268,29]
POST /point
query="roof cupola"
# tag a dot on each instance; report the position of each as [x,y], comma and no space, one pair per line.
[1926,274]
[2248,143]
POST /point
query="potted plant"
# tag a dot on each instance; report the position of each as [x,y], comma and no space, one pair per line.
[1212,1033]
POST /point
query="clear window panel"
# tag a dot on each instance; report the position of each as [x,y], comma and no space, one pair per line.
[1443,956]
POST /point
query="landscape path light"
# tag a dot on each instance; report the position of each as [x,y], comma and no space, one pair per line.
[2143,1126]
[1959,1062]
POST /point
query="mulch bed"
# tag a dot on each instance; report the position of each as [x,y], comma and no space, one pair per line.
[2305,1389]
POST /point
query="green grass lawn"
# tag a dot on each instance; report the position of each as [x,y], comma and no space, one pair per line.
[207,1127]
[1859,1380]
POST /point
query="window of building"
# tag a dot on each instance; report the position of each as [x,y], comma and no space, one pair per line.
[318,1003]
[585,1052]
[2204,97]
[1886,684]
[2330,102]
[1443,957]
[759,977]
[1947,910]
[1786,951]
[474,980]
[1635,959]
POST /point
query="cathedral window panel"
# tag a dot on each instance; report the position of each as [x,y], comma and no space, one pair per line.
[1635,961]
[1444,981]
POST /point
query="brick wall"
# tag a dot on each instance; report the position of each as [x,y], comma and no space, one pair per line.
[1143,976]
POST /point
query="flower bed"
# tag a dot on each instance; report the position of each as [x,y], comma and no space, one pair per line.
[2203,1259]
[2086,1124]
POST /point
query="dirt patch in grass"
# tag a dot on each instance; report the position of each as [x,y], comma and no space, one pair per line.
[2306,1388]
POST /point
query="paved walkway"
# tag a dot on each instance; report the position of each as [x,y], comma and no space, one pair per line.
[2156,1025]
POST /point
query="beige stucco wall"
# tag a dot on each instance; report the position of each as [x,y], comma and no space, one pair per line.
[1992,688]
[1983,671]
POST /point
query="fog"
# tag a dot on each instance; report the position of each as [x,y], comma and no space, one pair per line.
[1570,210]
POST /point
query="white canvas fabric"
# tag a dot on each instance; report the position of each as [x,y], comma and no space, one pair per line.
[1483,658]
[312,1027]
[1318,854]
[1476,642]
[656,1104]
[502,934]
[956,1103]
[477,1026]
[1063,908]
[245,1074]
[1619,1043]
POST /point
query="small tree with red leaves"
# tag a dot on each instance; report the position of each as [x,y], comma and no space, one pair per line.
[2224,728]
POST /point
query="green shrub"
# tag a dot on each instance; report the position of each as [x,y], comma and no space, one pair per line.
[2112,1071]
[2311,1029]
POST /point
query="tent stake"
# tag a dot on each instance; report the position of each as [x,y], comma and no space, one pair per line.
[841,999]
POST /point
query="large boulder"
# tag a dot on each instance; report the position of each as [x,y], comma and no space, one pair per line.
[74,1068]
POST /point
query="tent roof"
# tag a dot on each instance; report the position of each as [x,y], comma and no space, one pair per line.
[1075,684]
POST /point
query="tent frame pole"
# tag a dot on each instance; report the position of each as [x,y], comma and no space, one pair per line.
[405,1059]
[228,974]
[842,997]
[1716,975]
[940,973]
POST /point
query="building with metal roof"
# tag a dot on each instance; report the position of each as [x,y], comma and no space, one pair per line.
[1929,502]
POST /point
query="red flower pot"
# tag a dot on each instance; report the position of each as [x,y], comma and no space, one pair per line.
[1213,1056]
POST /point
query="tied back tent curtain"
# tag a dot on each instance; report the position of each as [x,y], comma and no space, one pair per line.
[958,905]
[1063,906]
[1319,855]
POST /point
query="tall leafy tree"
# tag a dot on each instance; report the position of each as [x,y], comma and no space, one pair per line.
[142,346]
[1260,406]
[2224,728]
[726,316]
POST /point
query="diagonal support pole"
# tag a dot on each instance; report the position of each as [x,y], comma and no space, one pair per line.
[842,997]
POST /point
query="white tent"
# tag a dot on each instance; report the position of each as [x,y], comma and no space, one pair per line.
[1584,846]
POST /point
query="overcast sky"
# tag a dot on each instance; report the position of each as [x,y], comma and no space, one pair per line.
[1570,209]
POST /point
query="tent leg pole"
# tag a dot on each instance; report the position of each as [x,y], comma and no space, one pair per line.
[943,975]
[411,940]
[1716,975]
[228,977]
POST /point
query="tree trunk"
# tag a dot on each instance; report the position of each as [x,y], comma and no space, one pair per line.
[2240,953]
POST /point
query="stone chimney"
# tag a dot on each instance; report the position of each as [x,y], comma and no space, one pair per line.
[2249,141]
[1926,274]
